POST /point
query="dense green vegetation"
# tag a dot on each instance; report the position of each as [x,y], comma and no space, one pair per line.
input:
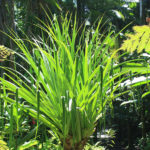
[74,75]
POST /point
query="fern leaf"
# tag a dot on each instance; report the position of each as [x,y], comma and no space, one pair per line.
[3,145]
[139,40]
[143,42]
[147,48]
[5,52]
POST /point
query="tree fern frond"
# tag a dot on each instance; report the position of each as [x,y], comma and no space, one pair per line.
[139,40]
[5,52]
[148,45]
[3,145]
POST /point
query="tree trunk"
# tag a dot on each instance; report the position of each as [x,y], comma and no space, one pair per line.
[28,21]
[6,22]
[3,21]
[141,11]
[69,145]
[80,10]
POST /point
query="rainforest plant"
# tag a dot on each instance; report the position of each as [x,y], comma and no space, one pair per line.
[139,40]
[67,80]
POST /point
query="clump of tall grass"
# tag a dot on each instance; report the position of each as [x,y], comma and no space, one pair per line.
[72,80]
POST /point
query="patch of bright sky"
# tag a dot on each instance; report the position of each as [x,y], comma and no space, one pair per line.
[126,5]
[132,1]
[75,1]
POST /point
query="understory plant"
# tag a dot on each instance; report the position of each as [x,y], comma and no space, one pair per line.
[67,77]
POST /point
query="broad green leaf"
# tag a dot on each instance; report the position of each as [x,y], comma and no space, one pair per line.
[27,145]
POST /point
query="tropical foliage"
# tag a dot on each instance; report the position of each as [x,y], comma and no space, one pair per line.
[66,83]
[72,81]
[139,40]
[5,52]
